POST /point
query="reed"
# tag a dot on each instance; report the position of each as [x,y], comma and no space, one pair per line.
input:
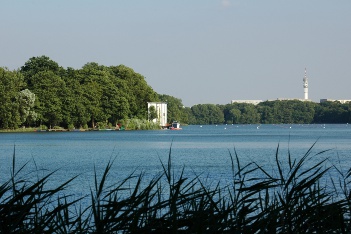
[289,199]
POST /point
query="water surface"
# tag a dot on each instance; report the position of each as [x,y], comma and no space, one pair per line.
[202,150]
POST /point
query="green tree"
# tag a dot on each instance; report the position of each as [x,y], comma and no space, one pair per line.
[152,113]
[74,102]
[191,119]
[207,114]
[11,83]
[175,109]
[39,64]
[241,113]
[92,96]
[249,114]
[49,88]
[26,101]
[266,113]
[348,116]
[137,91]
[95,86]
[332,112]
[236,115]
[303,112]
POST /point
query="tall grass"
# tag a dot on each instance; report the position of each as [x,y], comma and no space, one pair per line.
[140,124]
[290,199]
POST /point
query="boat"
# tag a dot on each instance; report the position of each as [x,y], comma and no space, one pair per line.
[175,126]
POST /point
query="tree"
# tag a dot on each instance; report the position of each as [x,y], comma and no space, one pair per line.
[49,88]
[249,114]
[236,115]
[39,64]
[136,90]
[207,114]
[122,110]
[241,113]
[175,109]
[332,112]
[26,101]
[152,113]
[74,107]
[11,83]
[266,113]
[92,96]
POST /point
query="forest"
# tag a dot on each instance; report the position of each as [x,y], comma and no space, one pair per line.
[43,94]
[271,112]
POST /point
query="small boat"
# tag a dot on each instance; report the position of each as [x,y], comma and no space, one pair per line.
[175,126]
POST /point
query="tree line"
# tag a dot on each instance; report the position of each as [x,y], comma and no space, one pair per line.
[42,93]
[271,112]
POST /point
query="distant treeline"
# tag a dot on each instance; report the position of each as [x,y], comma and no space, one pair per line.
[42,93]
[271,112]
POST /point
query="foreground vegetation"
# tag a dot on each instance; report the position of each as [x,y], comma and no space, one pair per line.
[290,199]
[42,93]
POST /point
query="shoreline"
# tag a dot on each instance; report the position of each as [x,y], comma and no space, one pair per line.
[23,130]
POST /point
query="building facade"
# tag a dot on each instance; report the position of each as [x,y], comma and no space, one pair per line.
[161,112]
[343,101]
[255,102]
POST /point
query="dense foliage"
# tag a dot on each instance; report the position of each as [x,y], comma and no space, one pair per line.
[42,93]
[175,108]
[292,198]
[271,112]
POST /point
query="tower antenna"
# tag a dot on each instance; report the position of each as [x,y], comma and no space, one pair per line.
[305,85]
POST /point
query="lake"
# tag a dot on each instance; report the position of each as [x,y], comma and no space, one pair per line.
[202,150]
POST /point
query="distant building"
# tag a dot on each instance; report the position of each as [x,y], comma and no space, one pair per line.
[292,99]
[333,100]
[161,112]
[255,102]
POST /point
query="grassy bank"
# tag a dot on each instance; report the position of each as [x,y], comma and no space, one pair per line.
[289,199]
[129,124]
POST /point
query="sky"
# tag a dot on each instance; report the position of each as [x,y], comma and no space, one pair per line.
[200,51]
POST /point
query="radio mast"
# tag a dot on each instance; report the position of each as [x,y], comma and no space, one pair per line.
[305,85]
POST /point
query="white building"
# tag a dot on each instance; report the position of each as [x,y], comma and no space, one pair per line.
[333,100]
[161,112]
[291,99]
[255,102]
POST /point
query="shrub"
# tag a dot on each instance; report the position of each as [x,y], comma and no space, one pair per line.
[70,127]
[140,124]
[43,127]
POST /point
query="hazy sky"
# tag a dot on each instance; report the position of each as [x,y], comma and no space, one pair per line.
[201,51]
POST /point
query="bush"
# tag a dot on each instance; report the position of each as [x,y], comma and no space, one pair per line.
[43,127]
[140,124]
[70,126]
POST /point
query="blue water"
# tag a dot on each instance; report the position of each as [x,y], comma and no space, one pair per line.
[202,150]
